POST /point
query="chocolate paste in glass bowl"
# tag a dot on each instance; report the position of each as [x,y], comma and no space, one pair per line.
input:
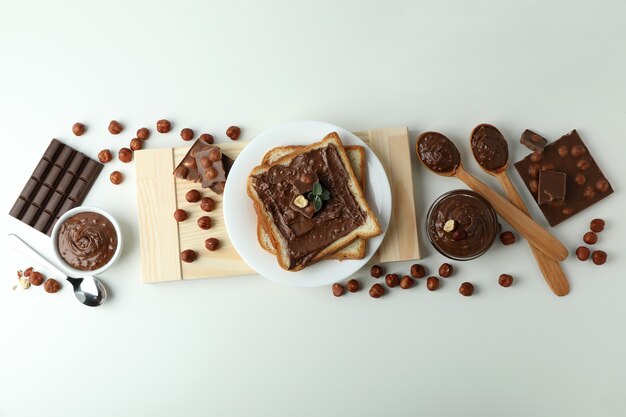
[87,241]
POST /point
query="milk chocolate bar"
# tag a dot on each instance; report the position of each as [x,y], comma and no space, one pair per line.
[213,167]
[60,182]
[533,141]
[551,186]
[188,169]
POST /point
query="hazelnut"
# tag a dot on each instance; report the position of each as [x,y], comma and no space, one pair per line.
[466,289]
[582,253]
[115,127]
[116,177]
[596,225]
[307,178]
[136,144]
[533,170]
[598,257]
[376,271]
[459,234]
[533,185]
[301,201]
[233,132]
[78,129]
[507,238]
[204,222]
[125,155]
[207,204]
[449,226]
[547,167]
[205,137]
[212,244]
[602,186]
[391,280]
[180,215]
[589,193]
[353,285]
[27,271]
[163,126]
[188,255]
[432,283]
[377,291]
[24,282]
[338,289]
[590,238]
[190,163]
[567,211]
[406,282]
[192,196]
[580,178]
[51,286]
[583,164]
[186,134]
[578,151]
[215,154]
[418,271]
[505,280]
[563,150]
[143,133]
[445,270]
[36,278]
[536,156]
[181,172]
[205,162]
[105,156]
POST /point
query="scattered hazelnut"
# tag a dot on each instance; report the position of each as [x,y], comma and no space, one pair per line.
[507,238]
[143,133]
[24,282]
[582,253]
[376,271]
[449,226]
[78,129]
[406,282]
[192,196]
[432,283]
[353,285]
[186,134]
[205,137]
[578,150]
[445,270]
[466,289]
[51,286]
[204,222]
[136,144]
[590,238]
[598,257]
[115,127]
[301,201]
[233,132]
[391,280]
[163,126]
[105,156]
[180,215]
[27,271]
[505,280]
[125,155]
[377,291]
[418,271]
[596,225]
[116,177]
[188,255]
[207,204]
[338,289]
[602,186]
[212,244]
[36,278]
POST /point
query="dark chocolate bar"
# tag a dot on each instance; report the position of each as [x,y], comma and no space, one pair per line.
[60,182]
[551,186]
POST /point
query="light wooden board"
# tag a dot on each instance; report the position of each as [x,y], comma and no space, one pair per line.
[159,194]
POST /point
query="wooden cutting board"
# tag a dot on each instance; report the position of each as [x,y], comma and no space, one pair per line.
[162,239]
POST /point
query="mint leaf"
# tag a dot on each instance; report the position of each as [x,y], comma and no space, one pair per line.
[317,188]
[317,203]
[325,194]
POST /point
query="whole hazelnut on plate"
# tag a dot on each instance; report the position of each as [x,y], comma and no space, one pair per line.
[204,222]
[432,283]
[136,144]
[207,204]
[376,271]
[51,286]
[192,196]
[418,271]
[377,291]
[233,132]
[406,282]
[116,177]
[211,244]
[143,133]
[186,134]
[205,137]
[125,155]
[115,127]
[466,289]
[338,289]
[188,255]
[353,285]
[36,278]
[505,280]
[445,270]
[163,126]
[105,156]
[180,215]
[78,129]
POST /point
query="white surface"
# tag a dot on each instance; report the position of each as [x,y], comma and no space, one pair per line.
[240,218]
[247,346]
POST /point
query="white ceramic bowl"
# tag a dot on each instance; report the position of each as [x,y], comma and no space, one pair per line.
[55,249]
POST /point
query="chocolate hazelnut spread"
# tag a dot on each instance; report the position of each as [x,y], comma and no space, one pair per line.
[87,241]
[489,147]
[438,152]
[307,235]
[475,225]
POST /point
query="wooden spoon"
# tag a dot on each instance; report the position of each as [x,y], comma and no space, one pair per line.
[441,156]
[551,269]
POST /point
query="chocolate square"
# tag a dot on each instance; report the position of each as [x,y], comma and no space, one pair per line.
[533,141]
[585,183]
[551,186]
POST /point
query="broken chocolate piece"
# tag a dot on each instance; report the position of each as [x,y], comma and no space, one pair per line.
[551,186]
[533,141]
[187,169]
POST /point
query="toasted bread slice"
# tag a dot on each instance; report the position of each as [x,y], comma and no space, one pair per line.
[356,249]
[364,221]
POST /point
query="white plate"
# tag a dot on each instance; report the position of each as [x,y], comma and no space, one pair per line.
[241,219]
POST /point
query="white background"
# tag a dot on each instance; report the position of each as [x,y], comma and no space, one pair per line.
[246,346]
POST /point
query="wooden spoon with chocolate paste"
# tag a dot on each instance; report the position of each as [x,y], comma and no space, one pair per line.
[441,156]
[491,151]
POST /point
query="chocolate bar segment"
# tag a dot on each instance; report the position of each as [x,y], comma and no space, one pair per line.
[551,186]
[585,184]
[533,141]
[187,169]
[60,181]
[213,167]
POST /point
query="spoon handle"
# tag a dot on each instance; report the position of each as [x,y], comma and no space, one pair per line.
[551,269]
[17,244]
[526,226]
